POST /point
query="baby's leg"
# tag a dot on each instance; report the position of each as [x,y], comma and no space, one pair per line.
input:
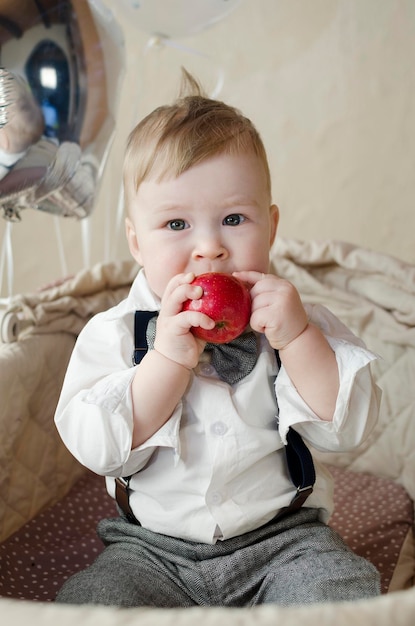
[314,566]
[125,575]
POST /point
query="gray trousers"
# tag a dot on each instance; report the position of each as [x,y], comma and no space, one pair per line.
[296,560]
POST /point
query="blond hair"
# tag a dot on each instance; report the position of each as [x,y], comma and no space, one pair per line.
[175,137]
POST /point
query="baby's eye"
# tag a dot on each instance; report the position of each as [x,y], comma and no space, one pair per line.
[233,220]
[177,225]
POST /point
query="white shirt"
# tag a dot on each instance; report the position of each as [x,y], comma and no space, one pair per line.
[216,468]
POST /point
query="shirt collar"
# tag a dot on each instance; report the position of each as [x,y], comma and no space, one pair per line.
[141,296]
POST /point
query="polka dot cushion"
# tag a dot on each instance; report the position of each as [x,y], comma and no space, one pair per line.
[35,561]
[372,514]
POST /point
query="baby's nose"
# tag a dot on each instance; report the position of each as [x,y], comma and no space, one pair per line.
[210,248]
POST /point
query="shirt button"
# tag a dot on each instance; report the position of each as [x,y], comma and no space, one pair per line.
[207,369]
[218,428]
[216,498]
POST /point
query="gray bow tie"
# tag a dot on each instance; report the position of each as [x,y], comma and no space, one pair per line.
[232,361]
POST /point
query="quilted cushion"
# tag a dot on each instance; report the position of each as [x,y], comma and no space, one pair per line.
[36,467]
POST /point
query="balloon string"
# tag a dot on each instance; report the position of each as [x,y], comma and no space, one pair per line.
[119,218]
[107,229]
[6,262]
[61,248]
[108,226]
[86,242]
[158,40]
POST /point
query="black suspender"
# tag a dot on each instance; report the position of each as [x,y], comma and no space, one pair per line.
[299,460]
[141,320]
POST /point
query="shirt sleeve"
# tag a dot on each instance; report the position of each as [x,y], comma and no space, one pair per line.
[94,415]
[358,400]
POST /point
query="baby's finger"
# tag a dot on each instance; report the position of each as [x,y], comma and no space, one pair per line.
[176,281]
[195,319]
[178,290]
[250,277]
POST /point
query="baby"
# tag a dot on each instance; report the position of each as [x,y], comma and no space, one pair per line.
[206,514]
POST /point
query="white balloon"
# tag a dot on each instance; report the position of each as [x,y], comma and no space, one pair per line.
[176,18]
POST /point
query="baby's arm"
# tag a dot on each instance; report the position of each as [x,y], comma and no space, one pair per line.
[163,374]
[277,311]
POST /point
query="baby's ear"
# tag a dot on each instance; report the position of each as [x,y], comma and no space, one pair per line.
[274,214]
[132,240]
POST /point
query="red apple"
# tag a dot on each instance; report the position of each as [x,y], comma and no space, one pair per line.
[227,301]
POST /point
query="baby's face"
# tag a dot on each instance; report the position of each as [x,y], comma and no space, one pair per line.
[215,217]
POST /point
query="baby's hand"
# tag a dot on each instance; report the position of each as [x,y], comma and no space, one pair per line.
[277,310]
[173,337]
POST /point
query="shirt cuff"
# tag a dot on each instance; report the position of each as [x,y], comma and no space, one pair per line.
[168,435]
[355,387]
[113,395]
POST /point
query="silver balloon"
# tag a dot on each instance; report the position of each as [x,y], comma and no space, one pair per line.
[69,54]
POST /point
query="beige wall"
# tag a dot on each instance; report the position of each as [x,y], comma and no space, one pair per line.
[330,85]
